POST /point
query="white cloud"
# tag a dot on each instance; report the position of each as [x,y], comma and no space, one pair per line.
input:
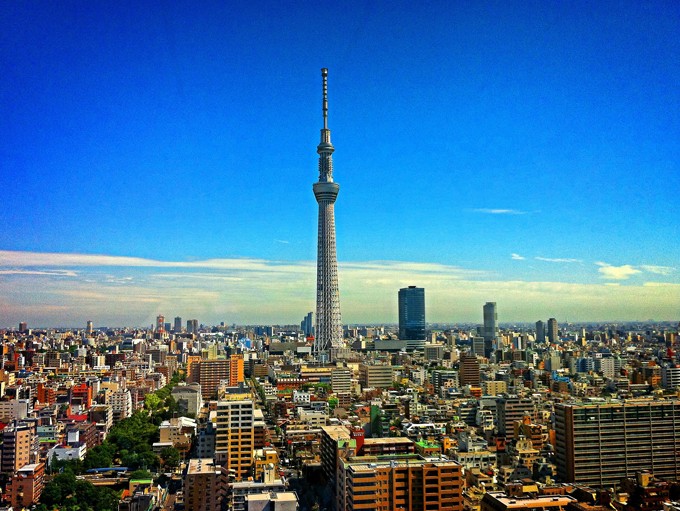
[490,211]
[611,272]
[557,260]
[517,257]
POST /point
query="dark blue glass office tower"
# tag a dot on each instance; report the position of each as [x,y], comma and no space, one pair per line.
[412,313]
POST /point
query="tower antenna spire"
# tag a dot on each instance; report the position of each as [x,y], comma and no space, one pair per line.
[324,74]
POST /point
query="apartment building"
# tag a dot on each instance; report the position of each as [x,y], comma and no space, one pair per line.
[204,485]
[600,443]
[235,438]
[404,482]
[25,486]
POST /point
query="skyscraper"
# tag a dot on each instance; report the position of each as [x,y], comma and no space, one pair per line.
[307,324]
[412,313]
[160,324]
[178,325]
[552,330]
[328,321]
[540,331]
[490,331]
[192,326]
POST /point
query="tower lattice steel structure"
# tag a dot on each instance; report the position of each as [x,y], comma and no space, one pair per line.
[328,320]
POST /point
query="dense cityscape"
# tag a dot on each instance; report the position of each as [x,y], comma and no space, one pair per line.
[326,416]
[546,416]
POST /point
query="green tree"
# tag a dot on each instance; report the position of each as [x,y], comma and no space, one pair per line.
[99,456]
[152,401]
[170,457]
[140,474]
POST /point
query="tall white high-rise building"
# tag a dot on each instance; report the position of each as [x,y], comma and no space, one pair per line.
[328,330]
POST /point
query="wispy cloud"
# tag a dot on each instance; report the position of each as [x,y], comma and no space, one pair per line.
[42,259]
[557,259]
[57,273]
[659,270]
[517,257]
[623,272]
[490,211]
[284,242]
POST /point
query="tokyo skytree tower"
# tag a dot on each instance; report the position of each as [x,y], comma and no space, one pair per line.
[328,332]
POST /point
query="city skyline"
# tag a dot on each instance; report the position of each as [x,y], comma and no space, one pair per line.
[526,155]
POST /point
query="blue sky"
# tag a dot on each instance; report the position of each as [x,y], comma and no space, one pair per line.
[159,158]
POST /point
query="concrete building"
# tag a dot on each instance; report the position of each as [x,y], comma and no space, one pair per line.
[510,409]
[341,379]
[261,491]
[494,387]
[670,376]
[209,374]
[468,372]
[600,443]
[333,438]
[204,485]
[281,501]
[380,376]
[434,351]
[440,377]
[177,432]
[18,447]
[66,453]
[121,404]
[14,409]
[499,501]
[188,398]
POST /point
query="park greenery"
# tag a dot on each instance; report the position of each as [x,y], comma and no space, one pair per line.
[128,444]
[67,493]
